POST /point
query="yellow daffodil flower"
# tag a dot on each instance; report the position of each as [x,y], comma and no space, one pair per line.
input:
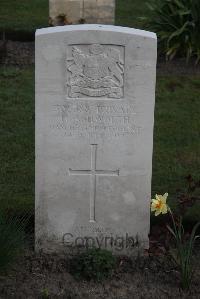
[159,205]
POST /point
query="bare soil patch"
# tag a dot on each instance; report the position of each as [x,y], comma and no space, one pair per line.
[48,276]
[17,53]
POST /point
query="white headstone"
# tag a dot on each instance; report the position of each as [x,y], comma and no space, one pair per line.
[95,93]
[87,11]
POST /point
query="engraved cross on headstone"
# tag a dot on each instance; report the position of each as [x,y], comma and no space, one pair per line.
[93,172]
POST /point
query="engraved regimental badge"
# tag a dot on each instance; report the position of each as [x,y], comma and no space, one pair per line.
[95,71]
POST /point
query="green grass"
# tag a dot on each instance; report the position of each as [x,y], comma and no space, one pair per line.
[12,239]
[176,132]
[17,138]
[129,12]
[176,136]
[23,15]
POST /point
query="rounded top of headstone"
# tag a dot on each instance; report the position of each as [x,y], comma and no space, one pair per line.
[96,27]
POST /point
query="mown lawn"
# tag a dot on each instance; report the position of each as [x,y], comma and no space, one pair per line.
[17,138]
[28,15]
[130,12]
[23,15]
[176,136]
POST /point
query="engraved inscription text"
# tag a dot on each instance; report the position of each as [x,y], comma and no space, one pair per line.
[96,120]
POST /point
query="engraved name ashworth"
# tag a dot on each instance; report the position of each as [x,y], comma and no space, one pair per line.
[95,71]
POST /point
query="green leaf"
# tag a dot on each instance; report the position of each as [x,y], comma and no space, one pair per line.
[171,231]
[176,22]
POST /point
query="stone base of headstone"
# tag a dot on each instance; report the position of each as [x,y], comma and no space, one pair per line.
[64,12]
